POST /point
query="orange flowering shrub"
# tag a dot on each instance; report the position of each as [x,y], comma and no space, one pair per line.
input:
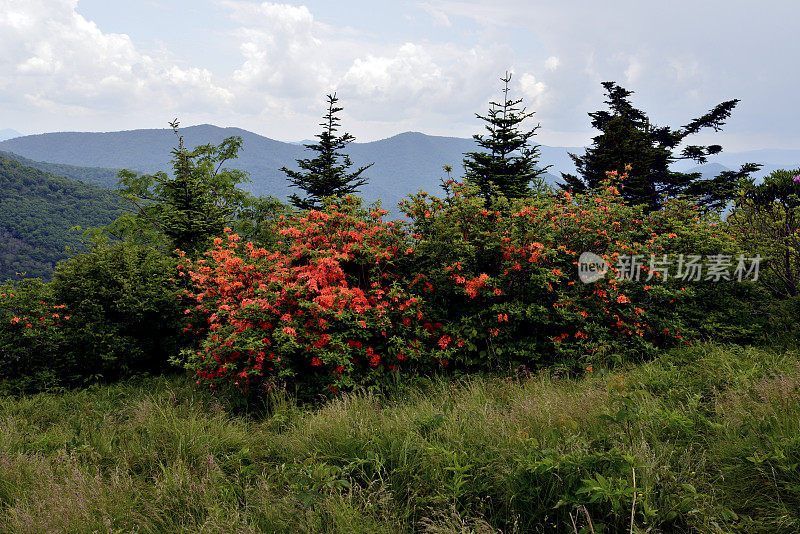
[329,307]
[344,297]
[503,279]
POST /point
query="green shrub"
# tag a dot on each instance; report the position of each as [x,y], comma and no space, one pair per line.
[110,313]
[767,220]
[32,341]
[126,316]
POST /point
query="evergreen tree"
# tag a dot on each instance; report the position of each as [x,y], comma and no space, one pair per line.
[193,205]
[507,165]
[326,174]
[627,137]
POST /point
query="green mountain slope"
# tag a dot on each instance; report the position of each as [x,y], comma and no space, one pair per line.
[91,175]
[37,210]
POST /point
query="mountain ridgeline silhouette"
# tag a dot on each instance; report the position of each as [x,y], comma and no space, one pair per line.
[404,163]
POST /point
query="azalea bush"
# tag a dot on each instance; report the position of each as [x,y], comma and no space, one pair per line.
[502,277]
[328,307]
[342,297]
[31,338]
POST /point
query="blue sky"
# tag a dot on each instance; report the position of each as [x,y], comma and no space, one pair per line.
[92,65]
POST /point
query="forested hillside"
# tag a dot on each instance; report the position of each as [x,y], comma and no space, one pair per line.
[37,211]
[91,175]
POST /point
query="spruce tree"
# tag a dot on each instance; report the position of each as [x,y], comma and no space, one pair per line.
[190,207]
[326,174]
[628,137]
[508,164]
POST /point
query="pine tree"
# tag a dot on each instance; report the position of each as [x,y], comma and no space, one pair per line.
[628,137]
[326,174]
[190,207]
[508,164]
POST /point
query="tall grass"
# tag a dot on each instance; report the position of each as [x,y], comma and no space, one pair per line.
[711,435]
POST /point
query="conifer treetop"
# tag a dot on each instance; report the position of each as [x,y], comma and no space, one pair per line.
[508,163]
[327,174]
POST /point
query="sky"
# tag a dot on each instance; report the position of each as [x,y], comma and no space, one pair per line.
[428,66]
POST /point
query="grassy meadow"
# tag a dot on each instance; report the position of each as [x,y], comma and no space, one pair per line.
[702,439]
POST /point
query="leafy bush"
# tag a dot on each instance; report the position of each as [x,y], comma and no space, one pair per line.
[502,281]
[107,314]
[32,337]
[327,307]
[126,316]
[767,220]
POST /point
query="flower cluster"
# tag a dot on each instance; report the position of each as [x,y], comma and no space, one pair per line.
[328,307]
[504,275]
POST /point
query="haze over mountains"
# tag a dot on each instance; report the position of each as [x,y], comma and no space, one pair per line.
[404,163]
[8,133]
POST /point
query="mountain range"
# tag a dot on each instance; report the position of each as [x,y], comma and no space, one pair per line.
[403,164]
[8,133]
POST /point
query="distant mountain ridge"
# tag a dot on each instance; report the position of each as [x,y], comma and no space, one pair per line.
[8,133]
[93,175]
[404,163]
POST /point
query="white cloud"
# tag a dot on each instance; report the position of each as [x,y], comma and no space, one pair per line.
[439,16]
[425,85]
[405,76]
[531,88]
[282,55]
[552,63]
[65,62]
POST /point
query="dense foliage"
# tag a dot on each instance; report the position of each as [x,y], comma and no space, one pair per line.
[767,219]
[628,138]
[337,298]
[193,204]
[37,212]
[91,175]
[108,314]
